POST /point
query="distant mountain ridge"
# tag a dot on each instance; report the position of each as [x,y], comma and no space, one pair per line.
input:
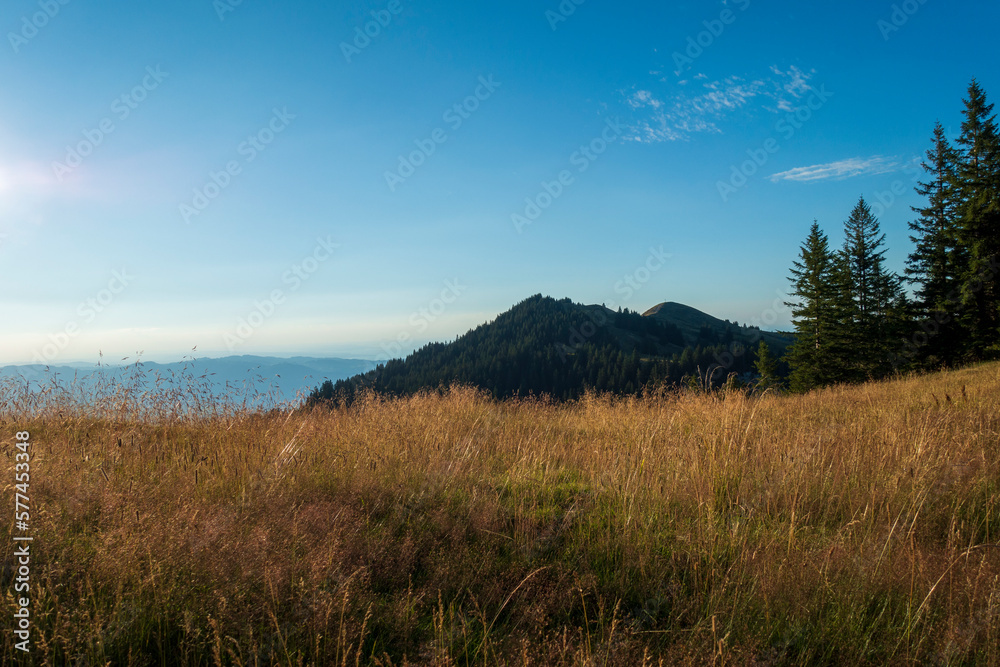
[562,349]
[284,379]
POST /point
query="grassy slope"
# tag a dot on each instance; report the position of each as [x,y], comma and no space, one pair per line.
[846,526]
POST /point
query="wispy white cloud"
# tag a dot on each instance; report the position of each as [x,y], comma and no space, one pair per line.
[702,109]
[687,114]
[795,85]
[840,169]
[643,98]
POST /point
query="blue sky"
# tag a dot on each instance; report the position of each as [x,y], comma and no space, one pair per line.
[258,179]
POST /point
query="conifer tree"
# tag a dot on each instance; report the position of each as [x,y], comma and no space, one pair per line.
[877,306]
[978,187]
[842,364]
[938,259]
[814,352]
[766,367]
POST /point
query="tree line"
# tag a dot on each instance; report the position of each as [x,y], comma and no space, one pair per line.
[852,316]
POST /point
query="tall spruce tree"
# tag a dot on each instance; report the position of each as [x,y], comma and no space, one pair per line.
[938,260]
[843,313]
[877,308]
[814,357]
[978,187]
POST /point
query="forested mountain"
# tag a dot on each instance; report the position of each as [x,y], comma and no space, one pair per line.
[561,348]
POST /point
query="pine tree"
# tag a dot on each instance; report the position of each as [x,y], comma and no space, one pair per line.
[766,367]
[938,259]
[813,355]
[842,310]
[978,187]
[876,296]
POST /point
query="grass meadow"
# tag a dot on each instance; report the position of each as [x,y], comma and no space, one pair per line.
[851,525]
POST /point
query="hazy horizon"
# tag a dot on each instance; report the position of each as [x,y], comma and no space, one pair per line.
[362,351]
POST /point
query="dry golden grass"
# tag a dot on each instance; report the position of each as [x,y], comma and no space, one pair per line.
[851,525]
